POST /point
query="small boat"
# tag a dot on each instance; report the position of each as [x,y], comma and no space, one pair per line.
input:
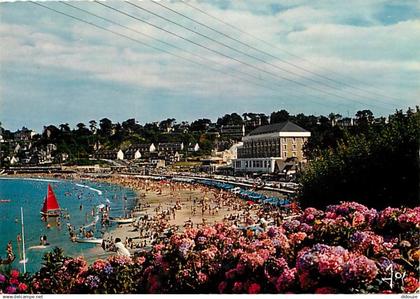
[89,240]
[4,200]
[121,220]
[50,207]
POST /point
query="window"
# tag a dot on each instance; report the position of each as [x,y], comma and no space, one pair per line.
[294,154]
[294,146]
[285,146]
[294,140]
[285,154]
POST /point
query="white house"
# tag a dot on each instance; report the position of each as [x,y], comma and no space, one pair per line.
[193,147]
[120,155]
[13,160]
[137,155]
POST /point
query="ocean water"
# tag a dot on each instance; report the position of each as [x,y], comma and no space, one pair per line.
[30,194]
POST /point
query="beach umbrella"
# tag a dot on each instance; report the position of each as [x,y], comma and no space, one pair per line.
[256,228]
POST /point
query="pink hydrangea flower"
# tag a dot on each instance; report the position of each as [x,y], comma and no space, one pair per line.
[254,288]
[286,280]
[359,270]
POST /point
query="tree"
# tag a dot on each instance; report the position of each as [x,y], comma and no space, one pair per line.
[65,128]
[378,168]
[130,125]
[279,116]
[334,117]
[80,126]
[166,124]
[92,126]
[230,119]
[364,117]
[200,125]
[81,130]
[105,126]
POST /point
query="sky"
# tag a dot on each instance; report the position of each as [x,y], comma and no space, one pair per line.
[305,56]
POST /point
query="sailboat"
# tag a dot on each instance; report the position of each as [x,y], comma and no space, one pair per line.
[50,207]
[24,260]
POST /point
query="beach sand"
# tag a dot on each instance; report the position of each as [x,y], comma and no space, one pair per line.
[165,197]
[153,197]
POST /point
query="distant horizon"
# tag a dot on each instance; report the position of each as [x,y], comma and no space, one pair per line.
[202,59]
[178,121]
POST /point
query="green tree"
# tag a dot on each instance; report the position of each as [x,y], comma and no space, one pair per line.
[378,168]
[200,125]
[105,126]
[279,116]
[230,119]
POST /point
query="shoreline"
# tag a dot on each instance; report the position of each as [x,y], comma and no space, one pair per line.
[170,208]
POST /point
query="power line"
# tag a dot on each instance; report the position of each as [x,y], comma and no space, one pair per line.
[189,52]
[145,44]
[291,54]
[267,54]
[132,39]
[227,56]
[171,45]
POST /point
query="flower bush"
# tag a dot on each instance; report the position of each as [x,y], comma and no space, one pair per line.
[13,282]
[347,248]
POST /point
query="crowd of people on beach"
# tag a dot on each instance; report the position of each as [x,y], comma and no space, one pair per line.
[159,222]
[181,205]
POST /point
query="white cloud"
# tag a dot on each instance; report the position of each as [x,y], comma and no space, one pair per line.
[320,31]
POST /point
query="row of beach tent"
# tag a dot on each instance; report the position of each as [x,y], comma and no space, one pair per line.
[251,196]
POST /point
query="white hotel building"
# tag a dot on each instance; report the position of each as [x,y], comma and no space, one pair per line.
[266,145]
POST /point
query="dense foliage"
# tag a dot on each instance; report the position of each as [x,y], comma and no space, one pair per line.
[85,139]
[378,164]
[346,248]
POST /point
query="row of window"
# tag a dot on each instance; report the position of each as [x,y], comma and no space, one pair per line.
[253,164]
[272,142]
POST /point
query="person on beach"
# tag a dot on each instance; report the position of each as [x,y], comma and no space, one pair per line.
[120,248]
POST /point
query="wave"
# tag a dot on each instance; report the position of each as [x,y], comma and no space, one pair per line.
[90,188]
[93,222]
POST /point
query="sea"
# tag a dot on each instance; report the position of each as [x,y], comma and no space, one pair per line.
[71,195]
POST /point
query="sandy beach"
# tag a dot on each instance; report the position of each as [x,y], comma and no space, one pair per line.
[179,205]
[166,207]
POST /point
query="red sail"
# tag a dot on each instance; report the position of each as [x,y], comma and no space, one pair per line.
[50,202]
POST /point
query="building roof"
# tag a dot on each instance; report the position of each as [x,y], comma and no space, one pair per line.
[286,126]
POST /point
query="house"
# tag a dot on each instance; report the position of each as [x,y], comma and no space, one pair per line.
[228,155]
[171,147]
[120,155]
[345,122]
[193,147]
[106,154]
[24,134]
[14,160]
[235,132]
[267,144]
[138,151]
[132,154]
